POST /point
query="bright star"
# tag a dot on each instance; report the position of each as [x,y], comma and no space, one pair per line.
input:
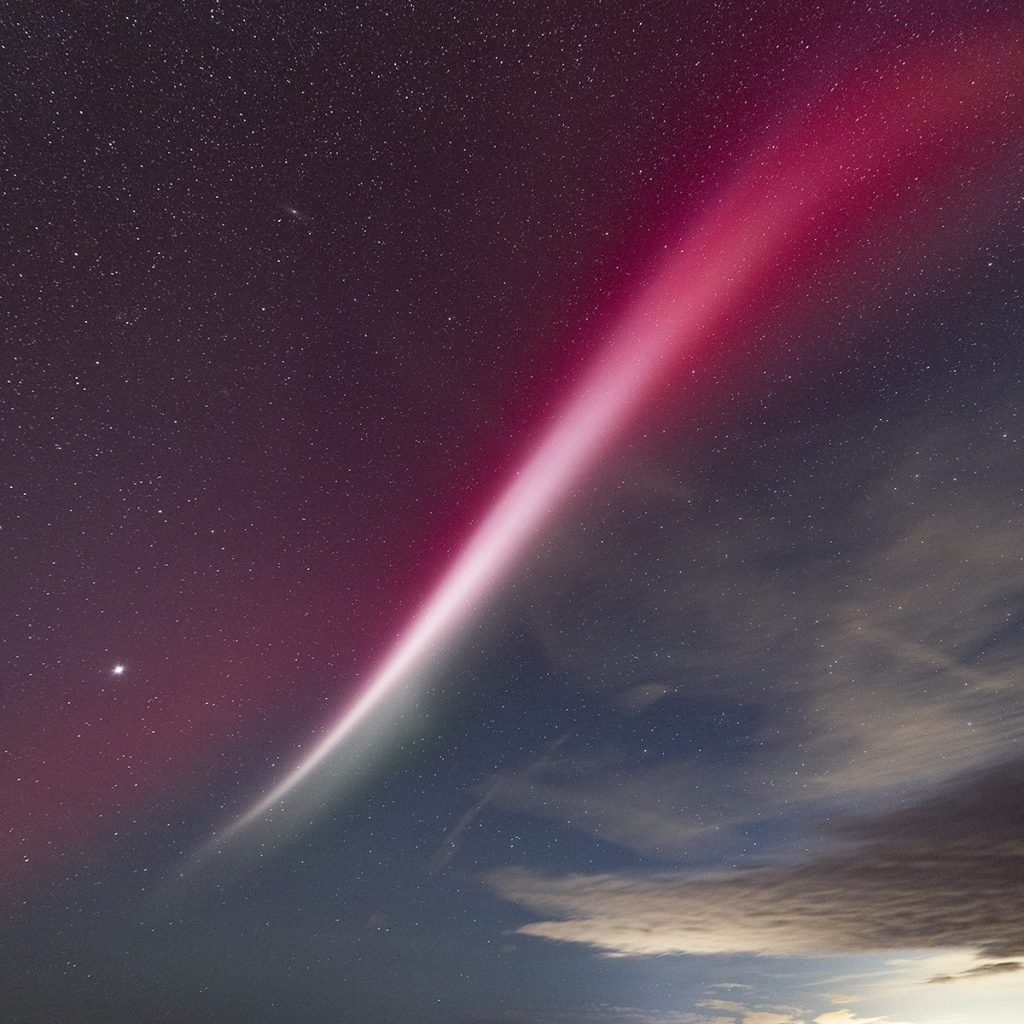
[118,670]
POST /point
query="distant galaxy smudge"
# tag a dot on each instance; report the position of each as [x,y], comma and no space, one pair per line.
[853,157]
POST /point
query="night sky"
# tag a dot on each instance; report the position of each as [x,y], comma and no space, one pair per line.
[512,513]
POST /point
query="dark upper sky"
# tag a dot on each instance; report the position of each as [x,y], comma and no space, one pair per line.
[290,294]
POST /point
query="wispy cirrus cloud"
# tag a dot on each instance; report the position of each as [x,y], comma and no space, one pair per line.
[857,630]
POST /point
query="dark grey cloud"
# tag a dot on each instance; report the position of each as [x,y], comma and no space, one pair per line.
[981,971]
[985,804]
[916,878]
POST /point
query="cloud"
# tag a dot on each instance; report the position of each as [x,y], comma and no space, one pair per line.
[653,810]
[931,876]
[848,1017]
[981,971]
[754,1015]
[604,1014]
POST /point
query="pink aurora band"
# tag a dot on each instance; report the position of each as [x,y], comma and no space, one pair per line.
[849,157]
